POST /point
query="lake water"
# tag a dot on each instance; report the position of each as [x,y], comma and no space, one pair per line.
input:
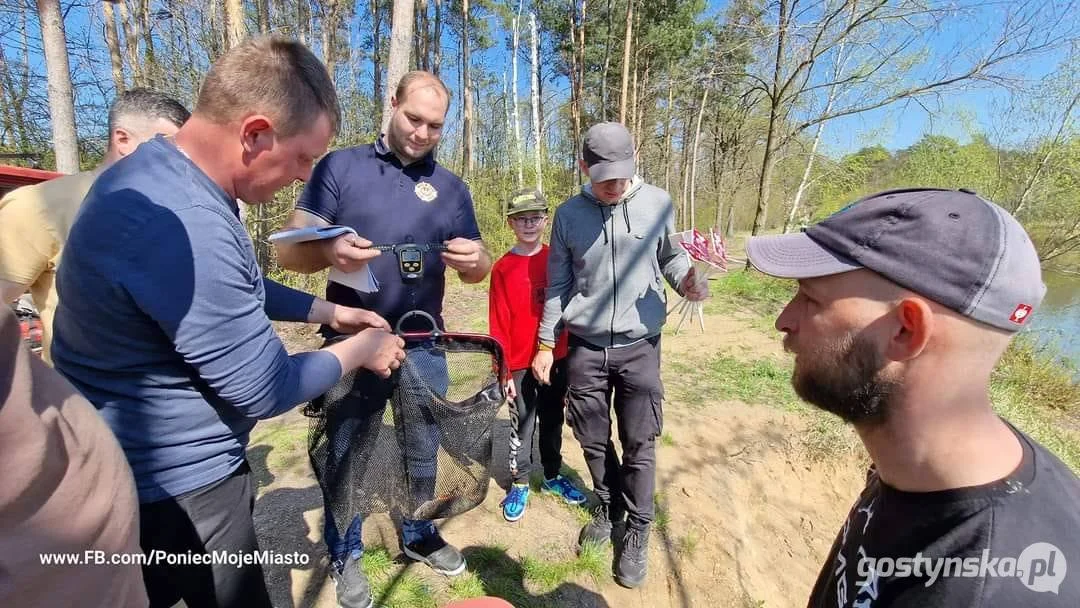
[1058,319]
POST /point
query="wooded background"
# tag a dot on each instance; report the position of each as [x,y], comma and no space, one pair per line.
[731,103]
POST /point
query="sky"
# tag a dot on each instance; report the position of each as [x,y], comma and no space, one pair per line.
[956,113]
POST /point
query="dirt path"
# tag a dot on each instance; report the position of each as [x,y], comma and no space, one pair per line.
[749,518]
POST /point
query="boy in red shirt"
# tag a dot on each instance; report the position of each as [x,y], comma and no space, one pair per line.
[515,304]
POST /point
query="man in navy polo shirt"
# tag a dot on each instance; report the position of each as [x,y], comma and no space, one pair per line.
[391,191]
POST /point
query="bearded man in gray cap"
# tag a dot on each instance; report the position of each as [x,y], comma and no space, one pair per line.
[610,252]
[906,301]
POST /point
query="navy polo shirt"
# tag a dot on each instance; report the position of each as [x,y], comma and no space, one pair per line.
[368,189]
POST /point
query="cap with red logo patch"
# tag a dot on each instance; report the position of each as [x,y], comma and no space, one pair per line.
[950,246]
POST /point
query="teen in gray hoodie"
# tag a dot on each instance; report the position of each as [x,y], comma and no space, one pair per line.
[610,252]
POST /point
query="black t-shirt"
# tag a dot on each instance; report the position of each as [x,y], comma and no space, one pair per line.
[1009,544]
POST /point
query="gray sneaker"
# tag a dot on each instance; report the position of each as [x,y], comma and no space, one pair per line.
[353,590]
[632,558]
[437,554]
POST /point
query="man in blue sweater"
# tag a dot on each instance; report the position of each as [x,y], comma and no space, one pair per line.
[164,322]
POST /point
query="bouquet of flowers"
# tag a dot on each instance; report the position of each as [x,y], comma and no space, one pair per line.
[708,254]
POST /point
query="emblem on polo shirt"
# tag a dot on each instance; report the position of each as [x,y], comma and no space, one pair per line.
[425,191]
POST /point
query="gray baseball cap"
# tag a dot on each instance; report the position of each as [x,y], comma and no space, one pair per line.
[608,151]
[950,246]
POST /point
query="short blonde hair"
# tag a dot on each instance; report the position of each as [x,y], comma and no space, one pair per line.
[269,75]
[417,76]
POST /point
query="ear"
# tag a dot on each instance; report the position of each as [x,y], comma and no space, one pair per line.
[584,167]
[256,133]
[122,142]
[393,101]
[912,330]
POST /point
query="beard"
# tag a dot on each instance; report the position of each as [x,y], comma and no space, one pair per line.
[846,378]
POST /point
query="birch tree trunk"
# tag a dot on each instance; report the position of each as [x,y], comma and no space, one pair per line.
[397,64]
[436,61]
[302,10]
[151,70]
[669,152]
[694,156]
[61,97]
[537,136]
[626,60]
[262,10]
[131,45]
[468,163]
[519,153]
[575,73]
[376,57]
[235,32]
[112,40]
[607,65]
[234,22]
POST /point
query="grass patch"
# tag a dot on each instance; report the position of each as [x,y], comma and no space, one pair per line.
[466,586]
[592,561]
[1038,376]
[1044,425]
[582,513]
[403,591]
[828,437]
[687,544]
[667,440]
[662,517]
[1034,388]
[764,381]
[749,290]
[376,562]
[392,587]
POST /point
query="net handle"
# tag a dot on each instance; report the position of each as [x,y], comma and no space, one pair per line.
[417,313]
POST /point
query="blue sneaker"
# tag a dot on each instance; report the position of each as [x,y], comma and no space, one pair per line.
[513,506]
[561,487]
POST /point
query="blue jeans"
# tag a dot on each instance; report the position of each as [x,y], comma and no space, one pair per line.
[421,447]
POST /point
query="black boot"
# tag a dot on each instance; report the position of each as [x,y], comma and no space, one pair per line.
[632,561]
[602,528]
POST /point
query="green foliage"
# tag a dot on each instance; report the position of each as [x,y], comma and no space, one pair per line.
[592,561]
[662,514]
[1037,376]
[1051,203]
[750,290]
[391,587]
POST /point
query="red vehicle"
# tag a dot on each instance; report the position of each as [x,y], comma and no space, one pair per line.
[29,322]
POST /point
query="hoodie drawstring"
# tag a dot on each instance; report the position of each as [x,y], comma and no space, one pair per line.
[626,215]
[603,222]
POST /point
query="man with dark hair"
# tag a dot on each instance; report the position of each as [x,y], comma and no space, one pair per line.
[165,320]
[393,191]
[906,301]
[35,220]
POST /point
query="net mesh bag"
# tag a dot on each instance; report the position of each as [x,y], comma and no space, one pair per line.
[417,444]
